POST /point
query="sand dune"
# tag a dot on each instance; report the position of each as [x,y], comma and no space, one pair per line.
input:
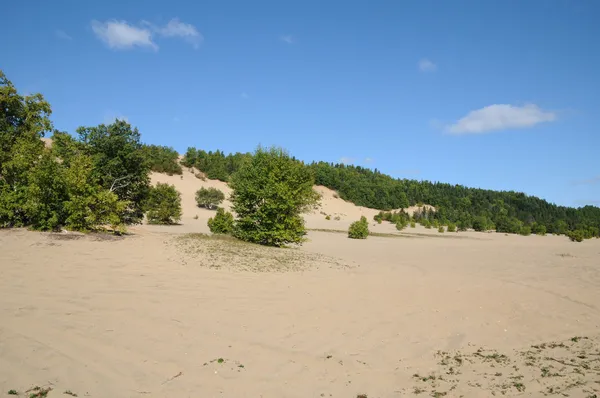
[149,315]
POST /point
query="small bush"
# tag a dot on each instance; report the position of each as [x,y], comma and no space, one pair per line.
[525,230]
[221,223]
[328,217]
[576,235]
[337,218]
[209,197]
[164,205]
[451,227]
[426,224]
[540,230]
[400,225]
[359,229]
[413,224]
[441,229]
[462,225]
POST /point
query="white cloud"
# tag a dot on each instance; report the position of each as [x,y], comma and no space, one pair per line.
[244,95]
[120,35]
[368,160]
[287,39]
[426,65]
[61,34]
[176,28]
[501,117]
[346,160]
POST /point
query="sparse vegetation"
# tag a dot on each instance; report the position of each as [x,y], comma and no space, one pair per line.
[164,205]
[441,229]
[209,197]
[359,229]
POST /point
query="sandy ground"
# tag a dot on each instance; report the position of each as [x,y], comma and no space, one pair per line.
[165,314]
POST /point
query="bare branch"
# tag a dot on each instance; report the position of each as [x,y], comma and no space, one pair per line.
[117,185]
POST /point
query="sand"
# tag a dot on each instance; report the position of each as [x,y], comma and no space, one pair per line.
[161,313]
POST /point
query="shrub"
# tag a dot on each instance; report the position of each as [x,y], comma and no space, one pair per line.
[525,230]
[426,224]
[480,224]
[359,229]
[441,229]
[539,229]
[337,218]
[413,224]
[209,197]
[451,227]
[221,223]
[400,225]
[576,235]
[328,217]
[269,195]
[164,205]
[462,225]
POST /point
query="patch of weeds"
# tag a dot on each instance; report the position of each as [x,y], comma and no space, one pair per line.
[438,394]
[362,396]
[39,392]
[498,374]
[220,360]
[519,386]
[13,392]
[418,390]
[71,393]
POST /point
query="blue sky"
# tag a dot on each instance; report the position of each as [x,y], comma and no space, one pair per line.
[492,94]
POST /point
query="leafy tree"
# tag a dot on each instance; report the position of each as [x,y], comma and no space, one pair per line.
[221,223]
[90,207]
[119,164]
[269,196]
[162,159]
[164,205]
[23,121]
[209,197]
[359,229]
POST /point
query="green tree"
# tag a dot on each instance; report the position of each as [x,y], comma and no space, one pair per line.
[480,223]
[162,159]
[269,196]
[164,205]
[90,207]
[359,229]
[23,121]
[209,197]
[222,222]
[119,164]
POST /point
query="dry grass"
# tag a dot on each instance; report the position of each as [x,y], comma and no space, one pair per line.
[223,251]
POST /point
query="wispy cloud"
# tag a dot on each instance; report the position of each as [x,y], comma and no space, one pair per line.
[346,160]
[368,160]
[121,35]
[289,39]
[61,34]
[501,117]
[176,28]
[589,181]
[426,65]
[244,95]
